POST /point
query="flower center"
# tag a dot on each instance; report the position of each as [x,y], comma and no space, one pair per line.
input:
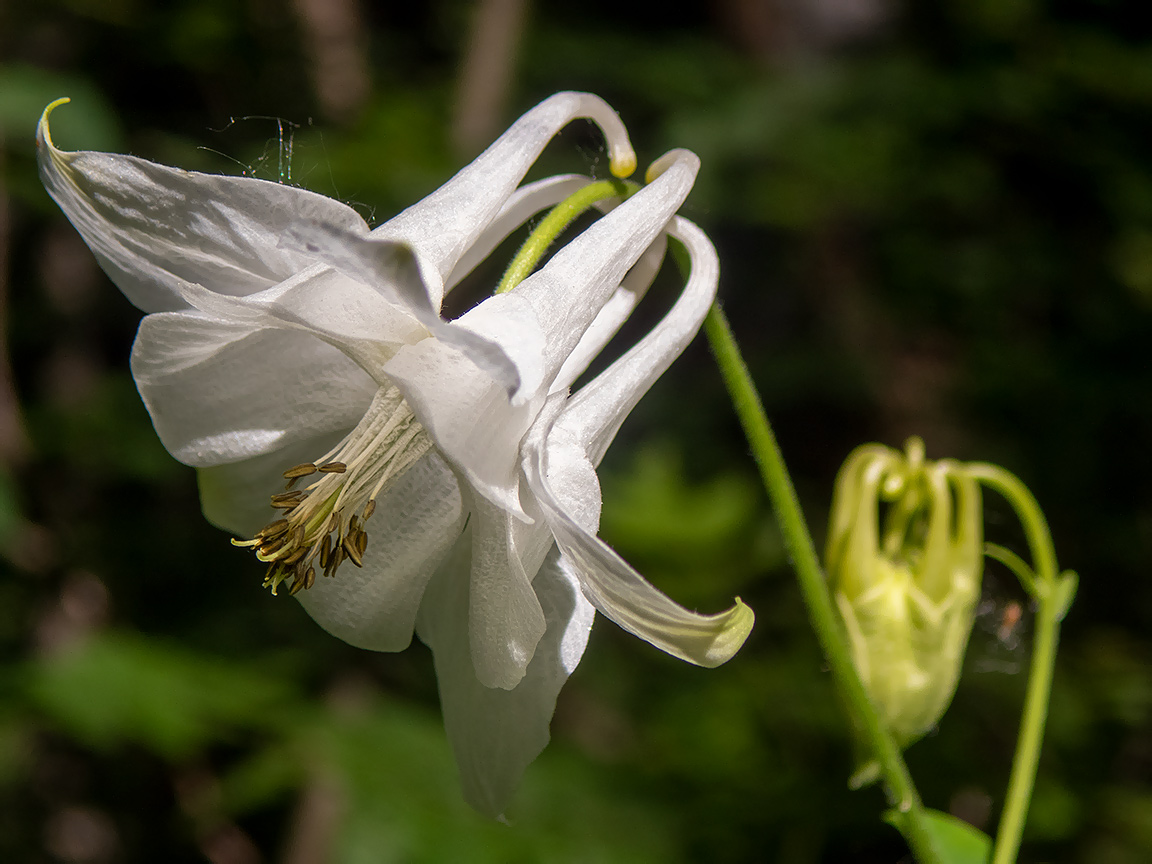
[323,524]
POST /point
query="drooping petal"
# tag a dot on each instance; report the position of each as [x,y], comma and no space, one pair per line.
[505,621]
[569,292]
[521,206]
[613,314]
[467,414]
[526,202]
[538,326]
[495,733]
[221,392]
[443,225]
[152,227]
[416,523]
[554,460]
[394,270]
[594,414]
[326,303]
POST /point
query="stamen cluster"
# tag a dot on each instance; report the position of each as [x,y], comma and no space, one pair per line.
[323,524]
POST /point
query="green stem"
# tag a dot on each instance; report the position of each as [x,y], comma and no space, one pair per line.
[558,218]
[813,585]
[1027,759]
[1028,510]
[1052,594]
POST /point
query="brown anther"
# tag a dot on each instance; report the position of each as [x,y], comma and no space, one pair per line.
[297,584]
[290,499]
[348,544]
[369,509]
[298,535]
[300,471]
[325,551]
[333,468]
[294,557]
[353,525]
[310,577]
[274,529]
[361,542]
[277,544]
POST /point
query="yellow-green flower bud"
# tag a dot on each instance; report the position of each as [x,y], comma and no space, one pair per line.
[907,593]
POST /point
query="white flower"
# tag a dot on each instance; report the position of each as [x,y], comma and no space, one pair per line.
[284,335]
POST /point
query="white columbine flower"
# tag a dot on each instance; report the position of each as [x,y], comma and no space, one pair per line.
[286,340]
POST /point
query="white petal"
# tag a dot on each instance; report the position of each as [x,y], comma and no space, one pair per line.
[441,229]
[326,303]
[394,270]
[594,414]
[558,303]
[612,586]
[496,734]
[152,227]
[443,225]
[467,414]
[524,203]
[220,392]
[614,313]
[578,281]
[416,523]
[505,621]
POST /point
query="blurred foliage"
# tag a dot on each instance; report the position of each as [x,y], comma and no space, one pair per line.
[936,220]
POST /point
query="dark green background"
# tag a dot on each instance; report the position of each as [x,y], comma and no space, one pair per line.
[934,221]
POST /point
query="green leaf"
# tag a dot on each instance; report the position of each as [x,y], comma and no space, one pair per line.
[956,841]
[118,688]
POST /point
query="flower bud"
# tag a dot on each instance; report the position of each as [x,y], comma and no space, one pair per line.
[907,592]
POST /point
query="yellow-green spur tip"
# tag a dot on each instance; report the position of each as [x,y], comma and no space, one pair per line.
[42,132]
[622,165]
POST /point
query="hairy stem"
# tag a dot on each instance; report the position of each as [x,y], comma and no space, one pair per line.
[814,586]
[550,227]
[1053,593]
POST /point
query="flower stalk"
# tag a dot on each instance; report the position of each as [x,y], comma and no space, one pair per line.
[1053,593]
[814,587]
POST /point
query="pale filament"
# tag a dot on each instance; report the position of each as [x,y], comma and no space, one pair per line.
[323,524]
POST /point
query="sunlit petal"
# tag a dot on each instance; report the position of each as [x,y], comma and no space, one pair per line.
[594,414]
[220,392]
[442,226]
[153,227]
[496,733]
[569,292]
[417,521]
[609,583]
[521,205]
[505,621]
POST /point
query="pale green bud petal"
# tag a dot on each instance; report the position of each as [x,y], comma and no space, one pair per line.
[907,592]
